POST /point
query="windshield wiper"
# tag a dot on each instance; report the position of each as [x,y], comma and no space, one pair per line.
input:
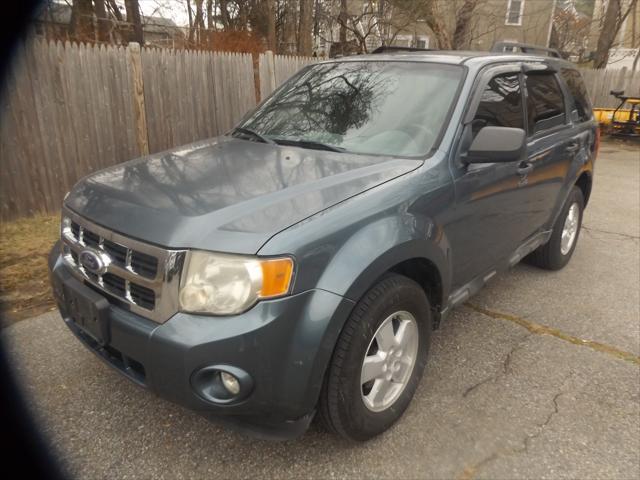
[251,133]
[312,144]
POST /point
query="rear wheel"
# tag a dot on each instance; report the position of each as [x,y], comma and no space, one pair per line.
[378,361]
[557,252]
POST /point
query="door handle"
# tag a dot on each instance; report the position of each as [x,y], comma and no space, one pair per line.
[524,168]
[572,147]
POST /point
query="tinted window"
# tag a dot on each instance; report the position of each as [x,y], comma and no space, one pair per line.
[545,103]
[391,108]
[501,104]
[580,106]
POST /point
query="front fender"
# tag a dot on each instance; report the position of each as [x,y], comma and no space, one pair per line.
[345,249]
[380,246]
[355,267]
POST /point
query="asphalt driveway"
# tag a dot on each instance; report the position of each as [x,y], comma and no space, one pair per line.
[538,376]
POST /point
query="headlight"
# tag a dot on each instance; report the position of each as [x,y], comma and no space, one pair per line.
[223,284]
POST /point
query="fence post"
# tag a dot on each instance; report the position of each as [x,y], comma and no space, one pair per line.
[135,61]
[271,71]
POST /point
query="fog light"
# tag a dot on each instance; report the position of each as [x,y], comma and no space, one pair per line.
[222,384]
[230,383]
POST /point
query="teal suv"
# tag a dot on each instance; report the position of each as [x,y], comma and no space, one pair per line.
[295,267]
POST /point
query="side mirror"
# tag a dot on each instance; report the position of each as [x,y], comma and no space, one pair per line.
[496,144]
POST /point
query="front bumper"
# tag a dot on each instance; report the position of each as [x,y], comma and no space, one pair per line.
[284,345]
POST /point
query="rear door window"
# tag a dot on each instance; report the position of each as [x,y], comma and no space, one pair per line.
[545,103]
[501,104]
[580,106]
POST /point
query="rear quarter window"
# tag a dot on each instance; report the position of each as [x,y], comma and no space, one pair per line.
[545,103]
[580,106]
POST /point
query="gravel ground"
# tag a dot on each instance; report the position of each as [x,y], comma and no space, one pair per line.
[538,376]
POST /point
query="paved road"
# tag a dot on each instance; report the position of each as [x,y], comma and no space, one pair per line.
[516,386]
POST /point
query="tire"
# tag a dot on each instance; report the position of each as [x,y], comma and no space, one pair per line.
[343,408]
[551,256]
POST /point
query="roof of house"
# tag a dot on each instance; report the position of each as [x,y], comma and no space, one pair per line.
[61,13]
[157,24]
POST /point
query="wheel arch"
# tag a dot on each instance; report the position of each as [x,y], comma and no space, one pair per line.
[418,260]
[426,274]
[421,260]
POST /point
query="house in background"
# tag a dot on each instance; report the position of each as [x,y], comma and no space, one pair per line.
[525,21]
[367,29]
[162,32]
[54,22]
[522,21]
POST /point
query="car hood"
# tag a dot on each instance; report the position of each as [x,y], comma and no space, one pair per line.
[225,194]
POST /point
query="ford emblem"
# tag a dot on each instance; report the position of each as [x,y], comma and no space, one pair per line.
[93,262]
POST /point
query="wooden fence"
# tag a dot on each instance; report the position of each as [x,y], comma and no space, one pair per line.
[67,111]
[599,83]
[71,109]
[191,95]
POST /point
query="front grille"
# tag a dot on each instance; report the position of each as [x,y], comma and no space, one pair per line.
[117,252]
[144,264]
[114,284]
[143,276]
[90,238]
[143,296]
[123,258]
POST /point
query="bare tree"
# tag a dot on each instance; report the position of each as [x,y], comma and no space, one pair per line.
[436,23]
[613,19]
[210,19]
[304,27]
[271,24]
[289,28]
[103,21]
[430,12]
[198,22]
[114,9]
[82,20]
[569,32]
[360,26]
[462,32]
[190,18]
[133,18]
[343,17]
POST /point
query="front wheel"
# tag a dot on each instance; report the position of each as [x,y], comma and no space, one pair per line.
[557,252]
[378,361]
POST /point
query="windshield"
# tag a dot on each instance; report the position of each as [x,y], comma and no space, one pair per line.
[389,108]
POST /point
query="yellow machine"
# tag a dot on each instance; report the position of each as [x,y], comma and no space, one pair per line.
[621,121]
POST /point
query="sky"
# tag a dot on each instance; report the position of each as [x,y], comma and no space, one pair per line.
[176,10]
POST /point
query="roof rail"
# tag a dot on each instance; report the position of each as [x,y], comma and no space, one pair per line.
[391,48]
[525,48]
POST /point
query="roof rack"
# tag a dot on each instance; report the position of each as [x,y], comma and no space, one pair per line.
[525,48]
[392,48]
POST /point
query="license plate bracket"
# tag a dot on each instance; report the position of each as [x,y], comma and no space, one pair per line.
[88,310]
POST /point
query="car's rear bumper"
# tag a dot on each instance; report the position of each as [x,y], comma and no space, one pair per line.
[284,346]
